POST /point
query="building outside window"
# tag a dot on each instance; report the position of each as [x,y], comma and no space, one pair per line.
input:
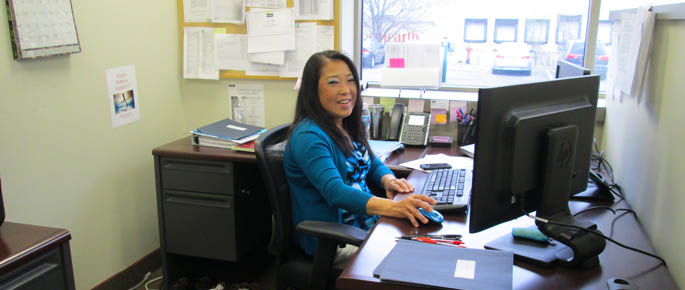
[506,30]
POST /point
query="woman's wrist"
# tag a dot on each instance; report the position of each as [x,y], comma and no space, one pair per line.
[387,183]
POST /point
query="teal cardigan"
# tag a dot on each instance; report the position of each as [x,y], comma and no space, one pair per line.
[314,167]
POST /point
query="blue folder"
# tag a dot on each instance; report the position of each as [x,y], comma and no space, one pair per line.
[447,267]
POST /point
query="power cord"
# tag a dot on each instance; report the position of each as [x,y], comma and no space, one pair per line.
[601,164]
[147,285]
[147,276]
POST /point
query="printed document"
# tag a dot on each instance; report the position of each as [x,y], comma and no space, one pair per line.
[251,99]
[306,45]
[325,37]
[267,3]
[313,9]
[228,11]
[122,93]
[270,30]
[198,53]
[632,40]
[231,51]
[273,57]
[196,11]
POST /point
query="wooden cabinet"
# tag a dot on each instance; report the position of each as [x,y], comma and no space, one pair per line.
[35,257]
[212,209]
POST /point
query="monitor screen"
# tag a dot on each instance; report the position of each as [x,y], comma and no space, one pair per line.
[533,149]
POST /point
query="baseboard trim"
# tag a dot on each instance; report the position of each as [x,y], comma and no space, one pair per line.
[133,274]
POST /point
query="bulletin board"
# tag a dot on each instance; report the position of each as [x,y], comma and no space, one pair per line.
[242,29]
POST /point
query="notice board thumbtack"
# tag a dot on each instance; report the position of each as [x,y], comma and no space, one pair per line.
[42,28]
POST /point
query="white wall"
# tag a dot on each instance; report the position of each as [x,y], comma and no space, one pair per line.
[644,142]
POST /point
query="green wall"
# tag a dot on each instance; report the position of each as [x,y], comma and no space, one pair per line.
[61,162]
[644,142]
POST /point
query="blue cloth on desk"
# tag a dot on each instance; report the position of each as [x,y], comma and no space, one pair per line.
[316,168]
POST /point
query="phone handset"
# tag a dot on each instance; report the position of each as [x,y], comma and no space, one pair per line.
[395,121]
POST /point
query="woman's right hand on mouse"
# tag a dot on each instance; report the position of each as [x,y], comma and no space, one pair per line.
[405,208]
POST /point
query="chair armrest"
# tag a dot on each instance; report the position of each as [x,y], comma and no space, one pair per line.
[333,231]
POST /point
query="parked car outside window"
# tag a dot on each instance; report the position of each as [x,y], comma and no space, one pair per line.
[512,58]
[372,53]
[575,53]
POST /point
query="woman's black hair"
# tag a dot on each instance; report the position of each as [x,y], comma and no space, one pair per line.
[309,106]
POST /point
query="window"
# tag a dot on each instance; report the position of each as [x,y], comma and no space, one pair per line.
[537,31]
[475,30]
[482,44]
[568,28]
[506,30]
[604,31]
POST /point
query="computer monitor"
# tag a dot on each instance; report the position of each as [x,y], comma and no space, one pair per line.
[567,69]
[533,151]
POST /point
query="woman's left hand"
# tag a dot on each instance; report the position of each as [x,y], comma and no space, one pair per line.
[397,185]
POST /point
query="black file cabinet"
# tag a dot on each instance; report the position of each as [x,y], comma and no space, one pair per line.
[212,209]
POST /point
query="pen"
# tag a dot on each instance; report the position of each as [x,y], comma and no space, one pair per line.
[441,237]
[437,242]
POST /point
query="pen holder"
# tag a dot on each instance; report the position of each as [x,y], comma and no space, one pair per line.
[465,135]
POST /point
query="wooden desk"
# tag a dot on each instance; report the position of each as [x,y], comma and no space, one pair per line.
[615,262]
[35,257]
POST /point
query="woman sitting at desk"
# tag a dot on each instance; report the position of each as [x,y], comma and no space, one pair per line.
[327,162]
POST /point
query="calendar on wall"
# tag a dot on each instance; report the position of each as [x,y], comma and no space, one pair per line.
[40,28]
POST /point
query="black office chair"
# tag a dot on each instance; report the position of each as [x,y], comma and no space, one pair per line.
[295,268]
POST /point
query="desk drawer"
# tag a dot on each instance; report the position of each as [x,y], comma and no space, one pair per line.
[197,175]
[200,225]
[44,272]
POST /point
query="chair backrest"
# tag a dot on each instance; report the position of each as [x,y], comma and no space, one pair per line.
[270,162]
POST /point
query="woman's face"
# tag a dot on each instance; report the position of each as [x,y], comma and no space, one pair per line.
[337,90]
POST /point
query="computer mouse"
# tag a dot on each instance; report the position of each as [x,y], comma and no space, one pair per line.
[433,216]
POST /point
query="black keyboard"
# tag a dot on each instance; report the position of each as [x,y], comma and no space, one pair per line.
[450,187]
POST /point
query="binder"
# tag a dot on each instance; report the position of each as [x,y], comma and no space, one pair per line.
[229,130]
[446,267]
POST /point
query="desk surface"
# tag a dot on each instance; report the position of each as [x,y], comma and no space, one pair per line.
[22,242]
[183,148]
[615,262]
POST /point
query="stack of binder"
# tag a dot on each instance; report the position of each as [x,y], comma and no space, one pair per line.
[226,134]
[446,267]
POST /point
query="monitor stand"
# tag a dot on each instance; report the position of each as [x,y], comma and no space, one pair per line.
[584,246]
[539,253]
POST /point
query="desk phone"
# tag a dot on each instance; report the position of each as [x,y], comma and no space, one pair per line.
[415,128]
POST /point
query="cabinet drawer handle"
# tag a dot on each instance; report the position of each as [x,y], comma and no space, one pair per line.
[196,166]
[198,200]
[29,276]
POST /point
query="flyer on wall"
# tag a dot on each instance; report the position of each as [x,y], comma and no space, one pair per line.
[122,92]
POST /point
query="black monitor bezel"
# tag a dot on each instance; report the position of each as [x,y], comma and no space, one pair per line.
[491,198]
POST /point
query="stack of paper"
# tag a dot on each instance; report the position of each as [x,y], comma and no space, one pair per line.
[412,262]
[225,134]
[383,149]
